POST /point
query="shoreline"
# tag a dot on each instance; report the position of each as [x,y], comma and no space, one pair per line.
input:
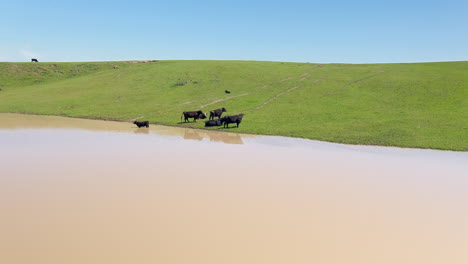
[240,133]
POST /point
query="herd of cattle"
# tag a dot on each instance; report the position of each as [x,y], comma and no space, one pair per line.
[226,120]
[234,119]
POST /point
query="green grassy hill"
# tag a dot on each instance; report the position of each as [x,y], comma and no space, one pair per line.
[422,105]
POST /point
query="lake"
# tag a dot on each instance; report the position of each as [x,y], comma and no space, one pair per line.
[89,191]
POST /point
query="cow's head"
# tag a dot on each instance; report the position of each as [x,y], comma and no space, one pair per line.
[223,109]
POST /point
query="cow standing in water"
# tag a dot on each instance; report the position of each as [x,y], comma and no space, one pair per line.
[217,113]
[237,119]
[34,60]
[141,123]
[193,114]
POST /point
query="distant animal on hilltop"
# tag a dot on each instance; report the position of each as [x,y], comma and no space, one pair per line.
[34,60]
[217,113]
[235,119]
[226,91]
[193,114]
[141,123]
[211,123]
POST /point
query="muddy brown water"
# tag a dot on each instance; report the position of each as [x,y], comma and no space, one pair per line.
[86,191]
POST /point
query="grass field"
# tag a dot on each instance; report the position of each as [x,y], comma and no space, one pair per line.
[423,105]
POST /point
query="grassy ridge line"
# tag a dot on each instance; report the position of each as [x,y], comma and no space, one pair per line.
[422,105]
[24,74]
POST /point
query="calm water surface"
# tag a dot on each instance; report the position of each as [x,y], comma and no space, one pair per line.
[84,191]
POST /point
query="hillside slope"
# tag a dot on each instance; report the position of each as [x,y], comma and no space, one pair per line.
[421,105]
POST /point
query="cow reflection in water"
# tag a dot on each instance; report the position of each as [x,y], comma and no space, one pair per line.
[192,134]
[228,138]
[142,131]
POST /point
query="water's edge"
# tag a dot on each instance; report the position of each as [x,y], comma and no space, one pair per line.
[241,134]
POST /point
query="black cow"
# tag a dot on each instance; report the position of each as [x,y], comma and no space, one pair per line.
[141,123]
[211,123]
[232,119]
[226,91]
[193,114]
[34,60]
[217,113]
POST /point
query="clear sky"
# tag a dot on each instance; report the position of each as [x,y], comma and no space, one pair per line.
[330,31]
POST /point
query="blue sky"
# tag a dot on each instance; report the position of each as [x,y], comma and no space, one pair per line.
[331,31]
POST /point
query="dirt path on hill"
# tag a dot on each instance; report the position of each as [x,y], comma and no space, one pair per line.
[222,100]
[302,76]
[351,83]
[275,97]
